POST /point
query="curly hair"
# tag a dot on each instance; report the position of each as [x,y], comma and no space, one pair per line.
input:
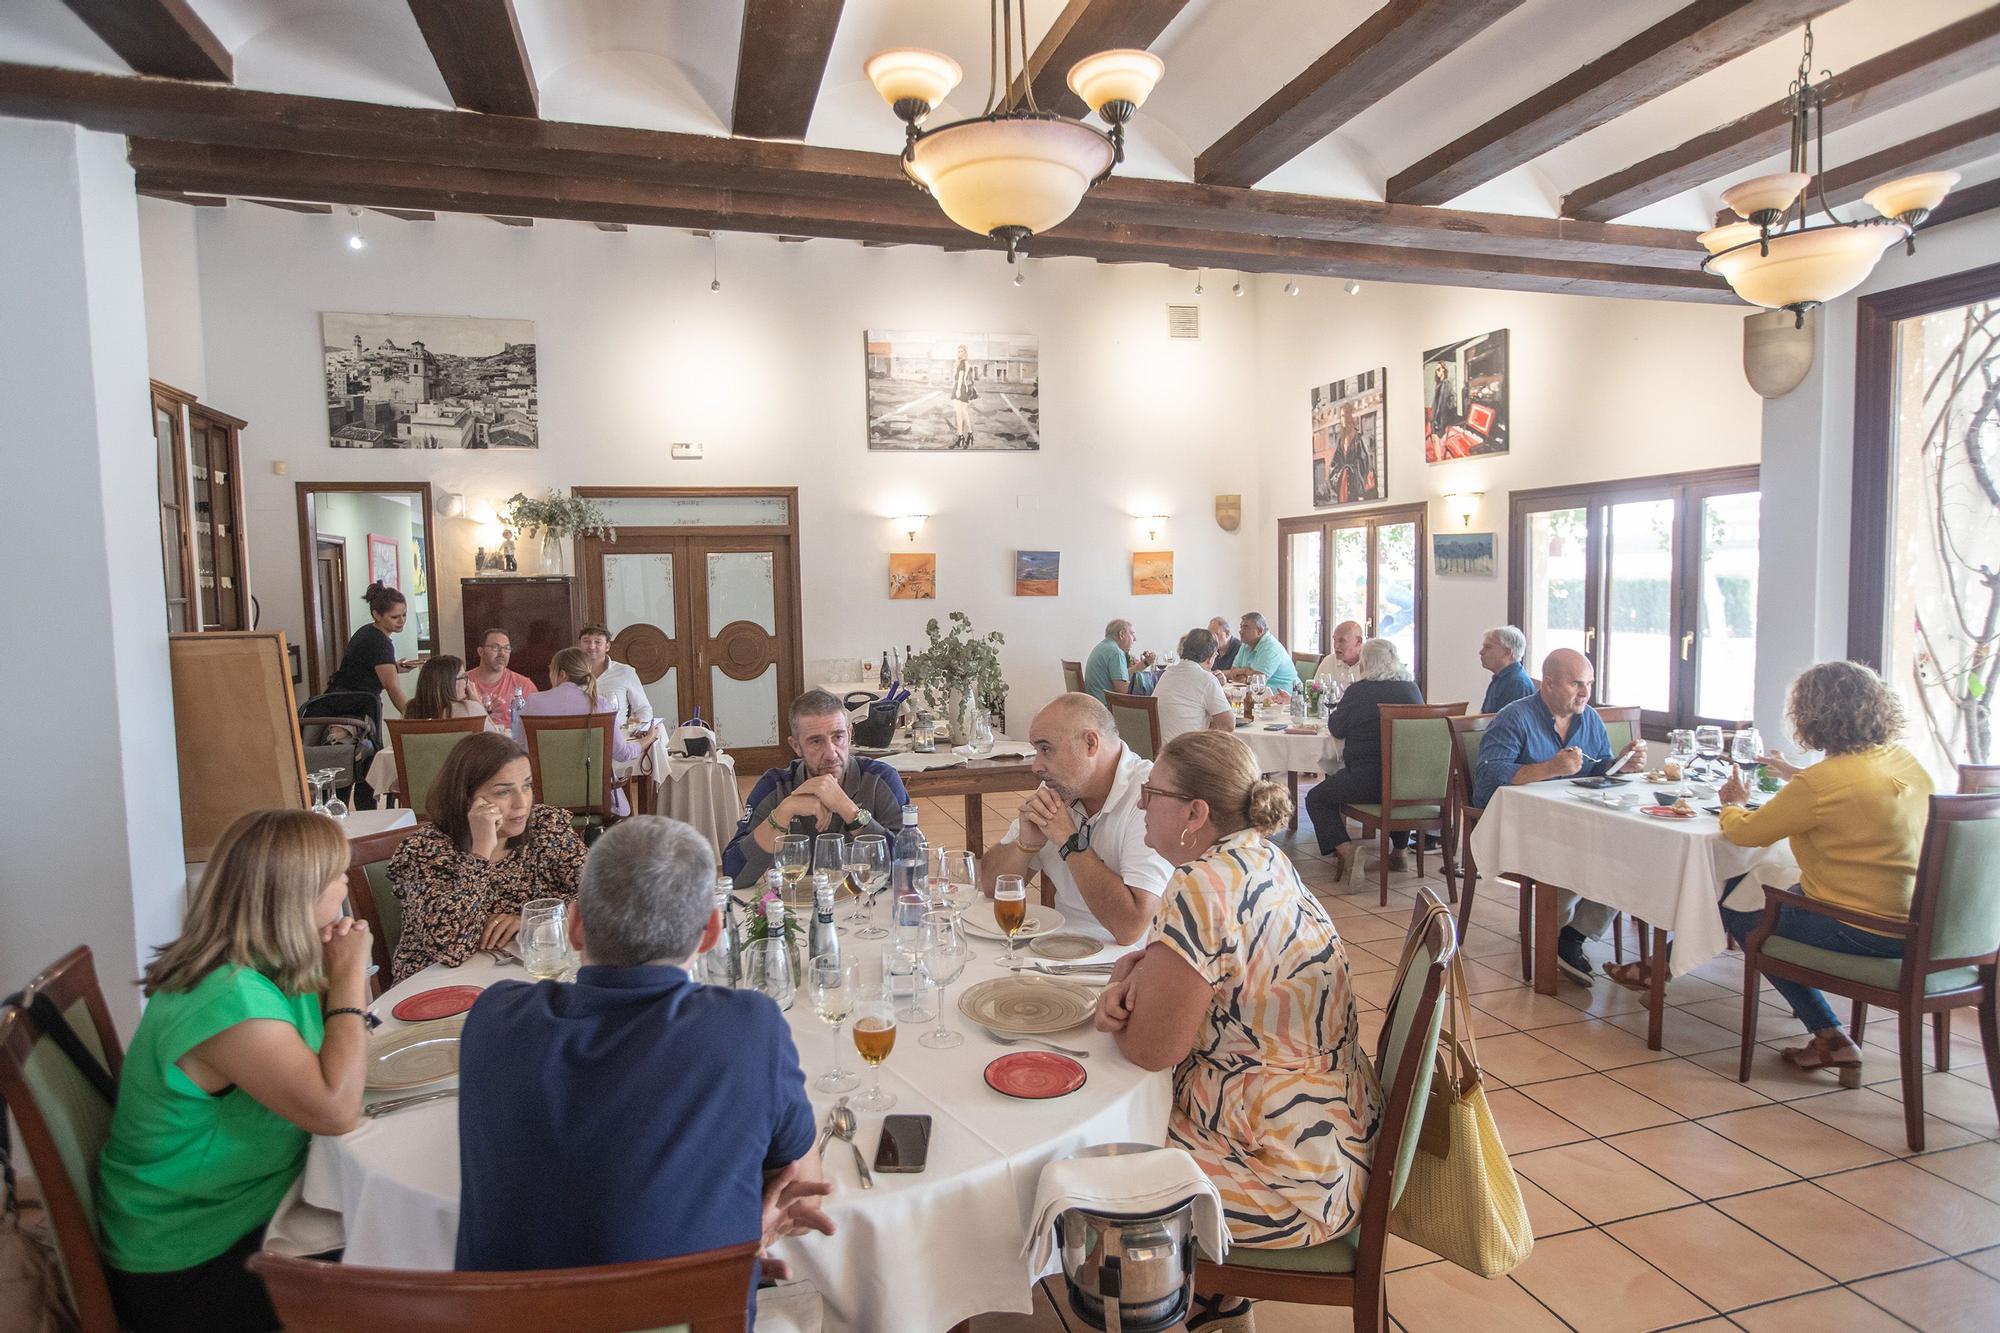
[1840,707]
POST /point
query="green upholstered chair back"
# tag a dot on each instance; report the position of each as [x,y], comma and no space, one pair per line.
[1621,724]
[1466,735]
[421,749]
[1306,664]
[1138,719]
[1073,677]
[1960,872]
[1416,752]
[570,758]
[388,907]
[1410,1038]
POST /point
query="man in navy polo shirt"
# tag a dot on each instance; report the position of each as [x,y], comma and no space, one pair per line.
[636,1114]
[1500,652]
[1553,733]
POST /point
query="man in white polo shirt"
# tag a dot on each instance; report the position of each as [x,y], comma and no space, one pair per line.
[1190,697]
[1082,828]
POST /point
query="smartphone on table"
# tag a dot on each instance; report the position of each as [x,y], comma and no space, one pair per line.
[905,1145]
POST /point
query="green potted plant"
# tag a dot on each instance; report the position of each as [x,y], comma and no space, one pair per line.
[959,673]
[556,518]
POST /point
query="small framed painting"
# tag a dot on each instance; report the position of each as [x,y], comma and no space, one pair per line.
[1467,553]
[384,561]
[1037,573]
[913,576]
[1152,573]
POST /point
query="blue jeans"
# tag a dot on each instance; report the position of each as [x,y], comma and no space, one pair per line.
[1822,932]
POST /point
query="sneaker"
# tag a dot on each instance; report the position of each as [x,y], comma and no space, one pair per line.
[1399,860]
[1570,957]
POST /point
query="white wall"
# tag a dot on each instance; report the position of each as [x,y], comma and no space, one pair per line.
[1600,389]
[173,295]
[92,848]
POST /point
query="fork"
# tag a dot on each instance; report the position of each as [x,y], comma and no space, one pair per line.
[1034,1041]
[380,1109]
[500,957]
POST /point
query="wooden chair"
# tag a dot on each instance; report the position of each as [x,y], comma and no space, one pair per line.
[1072,677]
[1348,1270]
[1138,719]
[1414,786]
[702,1293]
[570,761]
[1307,665]
[421,749]
[64,1120]
[370,897]
[1621,724]
[1951,949]
[1466,734]
[1974,779]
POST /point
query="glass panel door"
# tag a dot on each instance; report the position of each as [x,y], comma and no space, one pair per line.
[1726,610]
[1637,663]
[1556,552]
[742,654]
[1396,588]
[1303,551]
[1350,577]
[642,611]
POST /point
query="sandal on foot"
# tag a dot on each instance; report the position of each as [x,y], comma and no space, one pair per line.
[1839,1054]
[1220,1314]
[1632,976]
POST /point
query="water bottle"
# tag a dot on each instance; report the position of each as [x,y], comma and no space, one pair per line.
[722,965]
[822,941]
[519,695]
[1299,706]
[909,870]
[771,963]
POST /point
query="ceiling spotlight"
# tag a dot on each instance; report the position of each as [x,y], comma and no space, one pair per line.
[715,285]
[355,240]
[1019,277]
[1351,287]
[1291,289]
[1237,290]
[714,264]
[1197,282]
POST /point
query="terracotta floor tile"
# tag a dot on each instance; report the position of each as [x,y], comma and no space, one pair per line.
[1944,1298]
[1599,1104]
[1528,1126]
[1599,1044]
[1601,999]
[1592,1282]
[1692,989]
[1275,1317]
[1986,1261]
[1487,945]
[1874,1117]
[1976,1168]
[1819,1312]
[1444,1298]
[1401,1254]
[1833,1235]
[1949,1097]
[1935,1211]
[1525,1009]
[1699,1160]
[1481,979]
[1680,1031]
[1599,1182]
[1728,1013]
[1796,1142]
[1721,1261]
[1518,1058]
[1688,1088]
[1548,1215]
[1769,1074]
[1375,928]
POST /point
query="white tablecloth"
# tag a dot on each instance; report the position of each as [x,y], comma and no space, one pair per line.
[909,761]
[1280,753]
[1665,872]
[918,1252]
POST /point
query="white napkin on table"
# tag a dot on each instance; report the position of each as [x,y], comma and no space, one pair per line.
[1141,1183]
[1748,895]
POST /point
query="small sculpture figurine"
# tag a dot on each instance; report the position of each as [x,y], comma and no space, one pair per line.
[507,550]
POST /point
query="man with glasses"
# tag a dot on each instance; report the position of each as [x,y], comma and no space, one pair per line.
[493,682]
[1082,828]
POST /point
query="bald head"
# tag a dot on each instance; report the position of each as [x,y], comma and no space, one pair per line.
[1566,680]
[1076,746]
[1070,715]
[1347,640]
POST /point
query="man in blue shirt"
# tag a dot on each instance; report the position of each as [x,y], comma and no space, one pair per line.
[636,1114]
[1263,655]
[1500,652]
[1111,668]
[1553,733]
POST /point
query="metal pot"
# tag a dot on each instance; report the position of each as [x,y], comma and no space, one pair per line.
[1129,1272]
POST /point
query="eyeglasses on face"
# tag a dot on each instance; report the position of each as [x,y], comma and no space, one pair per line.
[1147,792]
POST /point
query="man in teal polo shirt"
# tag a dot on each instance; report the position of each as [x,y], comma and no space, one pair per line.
[1110,666]
[1264,655]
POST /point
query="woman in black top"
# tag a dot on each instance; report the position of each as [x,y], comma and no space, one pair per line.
[962,394]
[369,664]
[1357,720]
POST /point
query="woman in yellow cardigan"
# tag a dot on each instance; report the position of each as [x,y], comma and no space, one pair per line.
[1856,824]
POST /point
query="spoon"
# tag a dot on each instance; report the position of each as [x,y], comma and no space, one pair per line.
[842,1120]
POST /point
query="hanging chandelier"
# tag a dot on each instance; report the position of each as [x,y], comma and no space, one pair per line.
[1016,170]
[1775,257]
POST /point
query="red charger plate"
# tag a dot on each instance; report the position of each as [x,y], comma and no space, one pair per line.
[442,1002]
[1034,1075]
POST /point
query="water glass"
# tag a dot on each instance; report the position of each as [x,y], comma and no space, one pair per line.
[874,1038]
[544,937]
[831,985]
[906,978]
[943,959]
[830,857]
[867,865]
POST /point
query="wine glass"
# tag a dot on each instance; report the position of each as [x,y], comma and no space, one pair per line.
[943,960]
[793,858]
[874,1038]
[830,857]
[1746,747]
[335,807]
[954,884]
[905,954]
[1680,756]
[832,986]
[318,780]
[1010,909]
[1708,745]
[544,937]
[867,866]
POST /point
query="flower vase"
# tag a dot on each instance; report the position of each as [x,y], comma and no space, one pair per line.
[962,713]
[555,554]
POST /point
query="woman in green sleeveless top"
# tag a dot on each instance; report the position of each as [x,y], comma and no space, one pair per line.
[254,1039]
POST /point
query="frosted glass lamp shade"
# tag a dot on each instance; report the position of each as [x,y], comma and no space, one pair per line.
[1805,268]
[1727,235]
[1765,194]
[993,174]
[1123,75]
[912,74]
[1911,194]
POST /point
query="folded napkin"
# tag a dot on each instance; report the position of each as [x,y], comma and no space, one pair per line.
[1748,895]
[299,1229]
[1140,1183]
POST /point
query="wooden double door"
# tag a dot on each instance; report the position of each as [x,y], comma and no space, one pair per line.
[709,623]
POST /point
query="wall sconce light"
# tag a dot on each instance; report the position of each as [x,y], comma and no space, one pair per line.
[1153,523]
[451,504]
[1464,503]
[912,524]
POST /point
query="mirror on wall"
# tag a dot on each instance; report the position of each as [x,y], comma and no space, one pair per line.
[351,534]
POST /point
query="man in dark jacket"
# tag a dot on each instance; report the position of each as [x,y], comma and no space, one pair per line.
[1357,721]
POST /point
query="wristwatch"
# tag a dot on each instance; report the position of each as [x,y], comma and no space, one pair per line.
[862,819]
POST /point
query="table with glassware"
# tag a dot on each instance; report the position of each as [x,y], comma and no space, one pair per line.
[967,772]
[915,1251]
[1614,845]
[1285,743]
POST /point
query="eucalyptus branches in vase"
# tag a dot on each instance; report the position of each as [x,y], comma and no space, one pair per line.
[959,673]
[556,518]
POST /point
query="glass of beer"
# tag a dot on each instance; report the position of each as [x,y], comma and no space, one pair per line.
[1010,909]
[874,1038]
[832,985]
[544,937]
[793,858]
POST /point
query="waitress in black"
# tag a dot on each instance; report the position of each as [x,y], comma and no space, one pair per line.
[369,665]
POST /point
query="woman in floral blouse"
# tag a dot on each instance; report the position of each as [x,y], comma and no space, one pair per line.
[463,877]
[1244,992]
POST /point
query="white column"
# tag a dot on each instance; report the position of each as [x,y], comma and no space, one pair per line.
[89,795]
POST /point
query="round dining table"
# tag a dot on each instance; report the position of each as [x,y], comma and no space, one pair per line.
[919,1252]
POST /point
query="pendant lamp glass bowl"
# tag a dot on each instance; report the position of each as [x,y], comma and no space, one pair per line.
[1803,269]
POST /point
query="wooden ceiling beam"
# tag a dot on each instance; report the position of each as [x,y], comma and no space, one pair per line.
[192,200]
[1953,52]
[611,226]
[1387,49]
[780,62]
[294,205]
[1684,45]
[161,37]
[1084,28]
[409,214]
[478,49]
[1967,201]
[1946,149]
[908,218]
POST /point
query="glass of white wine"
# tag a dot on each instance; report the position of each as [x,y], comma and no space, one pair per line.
[544,937]
[832,988]
[793,858]
[874,1038]
[867,871]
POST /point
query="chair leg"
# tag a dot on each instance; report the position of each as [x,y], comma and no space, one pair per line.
[1910,1037]
[1382,857]
[1417,841]
[1857,1022]
[1989,1032]
[1753,982]
[1371,1311]
[1941,1038]
[1617,937]
[1465,903]
[1527,930]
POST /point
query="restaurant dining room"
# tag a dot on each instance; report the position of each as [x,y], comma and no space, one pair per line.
[1001,666]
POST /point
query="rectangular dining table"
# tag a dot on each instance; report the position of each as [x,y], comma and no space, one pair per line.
[947,774]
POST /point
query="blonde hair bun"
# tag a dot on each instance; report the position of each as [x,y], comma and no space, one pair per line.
[1269,807]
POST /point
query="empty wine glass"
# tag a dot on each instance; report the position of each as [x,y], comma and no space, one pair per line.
[317,780]
[867,866]
[335,807]
[943,959]
[832,985]
[830,857]
[954,884]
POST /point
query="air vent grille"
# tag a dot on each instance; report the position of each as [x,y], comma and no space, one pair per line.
[1184,321]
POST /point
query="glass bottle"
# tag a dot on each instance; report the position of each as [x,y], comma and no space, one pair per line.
[771,959]
[722,965]
[822,940]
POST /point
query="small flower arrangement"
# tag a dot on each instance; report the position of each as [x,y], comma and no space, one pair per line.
[559,516]
[1315,694]
[760,927]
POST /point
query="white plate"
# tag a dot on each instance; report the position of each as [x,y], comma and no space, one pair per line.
[417,1056]
[979,921]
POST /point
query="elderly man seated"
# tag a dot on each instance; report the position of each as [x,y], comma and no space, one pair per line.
[1342,667]
[1553,733]
[826,788]
[1111,667]
[1083,828]
[673,1114]
[1191,699]
[1227,645]
[1500,652]
[1263,655]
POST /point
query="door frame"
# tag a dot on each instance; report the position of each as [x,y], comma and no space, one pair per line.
[1372,518]
[339,631]
[308,554]
[788,592]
